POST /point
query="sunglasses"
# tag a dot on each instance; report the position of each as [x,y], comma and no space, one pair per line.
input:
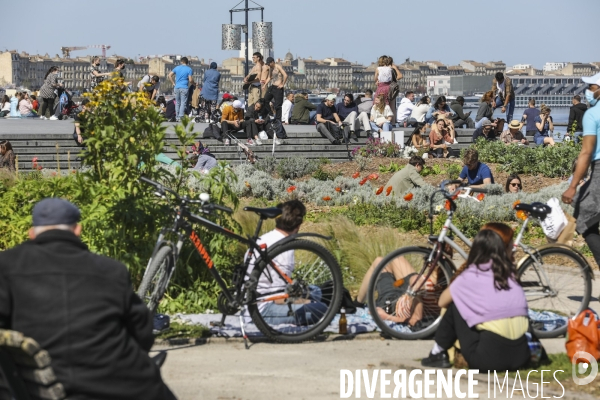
[515,185]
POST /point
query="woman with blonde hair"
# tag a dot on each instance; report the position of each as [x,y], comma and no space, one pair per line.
[545,126]
[381,115]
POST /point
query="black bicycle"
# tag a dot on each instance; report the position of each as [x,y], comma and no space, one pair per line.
[291,290]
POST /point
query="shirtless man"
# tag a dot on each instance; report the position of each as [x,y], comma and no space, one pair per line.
[278,79]
[258,88]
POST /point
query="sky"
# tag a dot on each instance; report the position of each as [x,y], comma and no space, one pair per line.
[514,31]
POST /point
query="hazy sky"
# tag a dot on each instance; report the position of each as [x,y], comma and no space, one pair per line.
[514,31]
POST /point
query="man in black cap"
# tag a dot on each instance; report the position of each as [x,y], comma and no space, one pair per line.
[81,308]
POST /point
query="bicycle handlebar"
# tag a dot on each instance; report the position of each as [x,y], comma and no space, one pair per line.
[161,188]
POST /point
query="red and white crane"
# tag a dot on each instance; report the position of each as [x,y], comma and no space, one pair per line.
[67,50]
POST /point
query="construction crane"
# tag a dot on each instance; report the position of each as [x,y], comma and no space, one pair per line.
[67,50]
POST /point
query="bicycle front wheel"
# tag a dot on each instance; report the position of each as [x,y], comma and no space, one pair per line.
[557,283]
[292,312]
[403,305]
[156,278]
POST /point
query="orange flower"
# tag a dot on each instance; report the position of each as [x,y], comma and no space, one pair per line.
[363,181]
[521,215]
[373,177]
[480,196]
[326,198]
[379,191]
[408,197]
[338,189]
[356,175]
[247,184]
[291,189]
[388,190]
[516,202]
[448,205]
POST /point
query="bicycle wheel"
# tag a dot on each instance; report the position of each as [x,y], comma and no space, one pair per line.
[557,286]
[156,278]
[293,312]
[395,280]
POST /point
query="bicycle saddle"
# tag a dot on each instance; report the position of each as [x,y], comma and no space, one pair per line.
[536,210]
[265,213]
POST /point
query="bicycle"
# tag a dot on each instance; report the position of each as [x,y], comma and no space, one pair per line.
[312,291]
[534,272]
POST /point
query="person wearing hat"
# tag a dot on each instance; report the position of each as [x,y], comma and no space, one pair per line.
[327,117]
[485,131]
[587,212]
[227,100]
[513,134]
[232,119]
[81,308]
[277,79]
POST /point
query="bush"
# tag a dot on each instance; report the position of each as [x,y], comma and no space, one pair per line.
[552,162]
[296,167]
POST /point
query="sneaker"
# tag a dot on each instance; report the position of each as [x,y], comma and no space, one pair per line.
[250,142]
[277,141]
[226,142]
[53,118]
[258,142]
[440,360]
[42,117]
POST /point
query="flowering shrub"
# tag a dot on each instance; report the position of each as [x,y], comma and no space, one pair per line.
[375,147]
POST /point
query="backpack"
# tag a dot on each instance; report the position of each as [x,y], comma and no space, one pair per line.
[335,130]
[275,128]
[212,130]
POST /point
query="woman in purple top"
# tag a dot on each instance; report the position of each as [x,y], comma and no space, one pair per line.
[486,308]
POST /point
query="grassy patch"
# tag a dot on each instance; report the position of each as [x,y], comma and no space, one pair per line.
[184,331]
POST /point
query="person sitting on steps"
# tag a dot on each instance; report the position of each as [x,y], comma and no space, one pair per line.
[232,120]
[486,308]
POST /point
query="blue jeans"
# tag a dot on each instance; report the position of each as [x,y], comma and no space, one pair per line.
[387,127]
[303,314]
[510,110]
[181,96]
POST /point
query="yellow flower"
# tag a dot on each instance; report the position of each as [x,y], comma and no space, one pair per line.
[132,139]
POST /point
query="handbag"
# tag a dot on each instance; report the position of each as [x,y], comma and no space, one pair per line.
[582,334]
[555,221]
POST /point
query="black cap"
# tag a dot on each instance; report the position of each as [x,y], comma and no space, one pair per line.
[270,60]
[55,211]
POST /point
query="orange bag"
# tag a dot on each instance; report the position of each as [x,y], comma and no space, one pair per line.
[582,335]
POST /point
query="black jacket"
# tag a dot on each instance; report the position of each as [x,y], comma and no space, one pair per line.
[81,308]
[252,115]
[576,114]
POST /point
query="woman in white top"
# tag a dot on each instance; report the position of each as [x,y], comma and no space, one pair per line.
[418,113]
[381,115]
[5,106]
[385,74]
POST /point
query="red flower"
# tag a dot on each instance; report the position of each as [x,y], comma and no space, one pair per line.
[373,177]
[34,159]
[291,189]
[356,175]
[363,181]
[448,205]
[379,191]
[326,198]
[388,190]
[408,197]
[338,189]
[480,196]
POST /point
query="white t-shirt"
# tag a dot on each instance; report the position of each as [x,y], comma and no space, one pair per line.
[145,79]
[405,109]
[419,112]
[6,106]
[501,87]
[385,74]
[286,110]
[376,115]
[284,261]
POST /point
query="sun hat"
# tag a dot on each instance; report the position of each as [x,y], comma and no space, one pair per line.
[515,124]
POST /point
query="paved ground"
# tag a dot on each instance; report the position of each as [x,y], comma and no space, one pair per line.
[301,371]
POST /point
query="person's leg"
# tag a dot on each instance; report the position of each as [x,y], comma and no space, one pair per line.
[322,129]
[374,127]
[387,127]
[253,95]
[312,117]
[184,103]
[363,119]
[510,110]
[303,314]
[549,141]
[364,285]
[470,123]
[225,127]
[178,103]
[592,238]
[277,102]
[251,129]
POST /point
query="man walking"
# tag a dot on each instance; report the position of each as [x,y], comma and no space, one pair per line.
[81,308]
[504,94]
[261,76]
[277,78]
[576,118]
[183,78]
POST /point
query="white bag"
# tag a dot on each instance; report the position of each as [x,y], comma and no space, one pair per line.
[555,222]
[263,135]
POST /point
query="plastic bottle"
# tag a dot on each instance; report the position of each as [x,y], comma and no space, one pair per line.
[343,322]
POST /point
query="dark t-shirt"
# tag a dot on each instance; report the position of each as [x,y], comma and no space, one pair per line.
[532,114]
[478,133]
[477,175]
[326,112]
[344,111]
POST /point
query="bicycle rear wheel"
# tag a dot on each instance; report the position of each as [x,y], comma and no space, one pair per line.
[557,285]
[156,278]
[293,312]
[395,280]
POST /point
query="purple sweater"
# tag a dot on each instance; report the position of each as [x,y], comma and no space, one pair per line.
[478,301]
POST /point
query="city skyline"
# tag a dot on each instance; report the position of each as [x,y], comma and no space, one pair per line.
[305,30]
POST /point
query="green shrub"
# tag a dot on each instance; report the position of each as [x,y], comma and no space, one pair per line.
[296,167]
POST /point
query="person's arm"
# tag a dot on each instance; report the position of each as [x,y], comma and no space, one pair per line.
[460,113]
[78,131]
[337,118]
[284,75]
[398,73]
[508,90]
[171,75]
[571,119]
[190,80]
[416,178]
[540,125]
[138,319]
[376,77]
[265,75]
[550,123]
[429,113]
[311,106]
[445,298]
[583,162]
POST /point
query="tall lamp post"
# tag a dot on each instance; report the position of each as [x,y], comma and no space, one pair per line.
[262,33]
